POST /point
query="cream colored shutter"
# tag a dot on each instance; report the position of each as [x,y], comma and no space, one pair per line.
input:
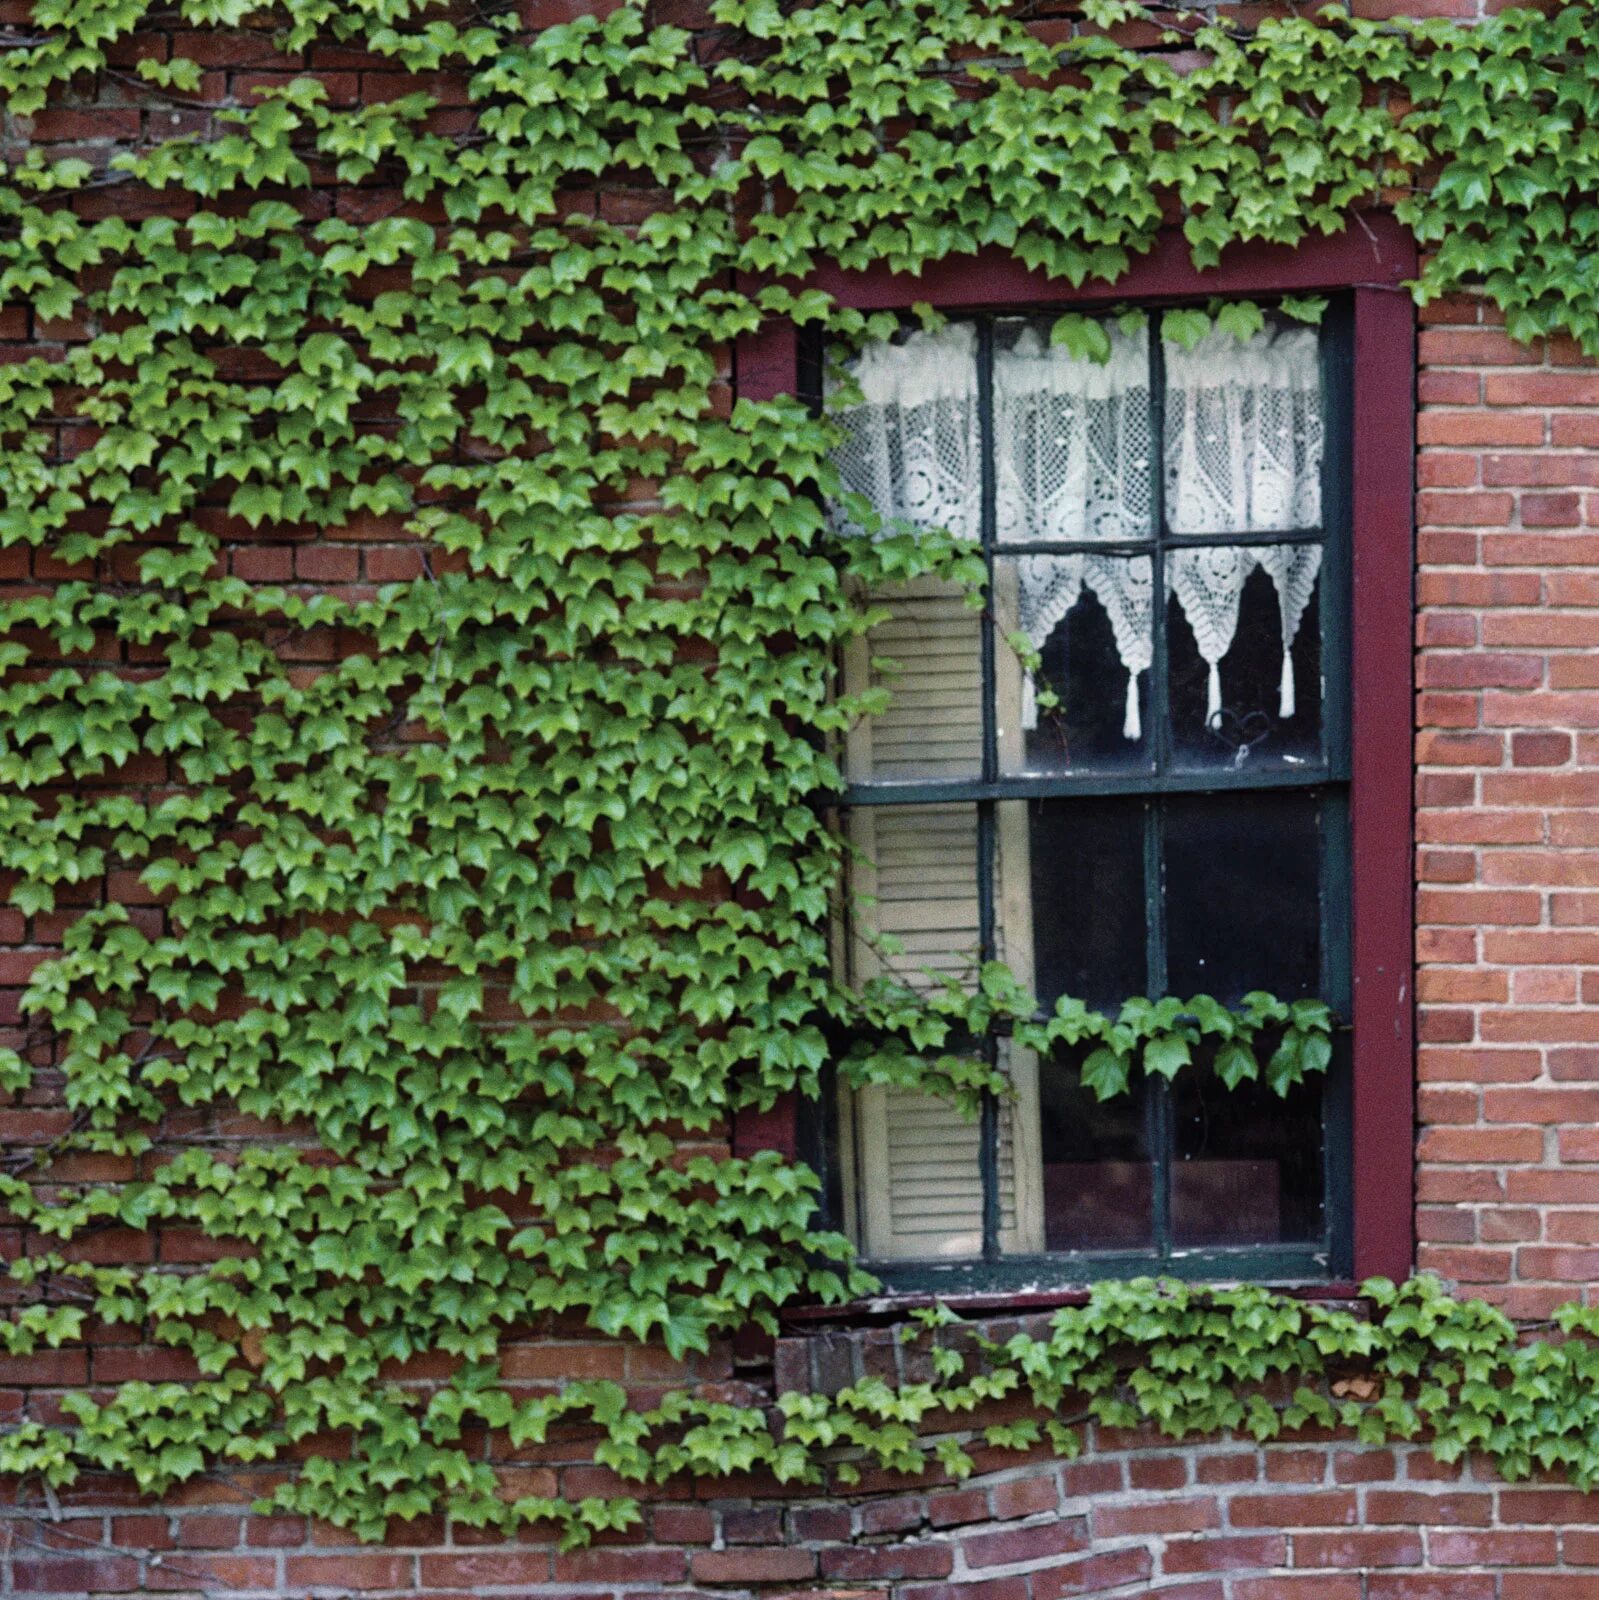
[918,1175]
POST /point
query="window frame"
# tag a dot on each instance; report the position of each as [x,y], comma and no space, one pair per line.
[1368,266]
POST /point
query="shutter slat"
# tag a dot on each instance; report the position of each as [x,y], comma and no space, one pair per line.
[920,1192]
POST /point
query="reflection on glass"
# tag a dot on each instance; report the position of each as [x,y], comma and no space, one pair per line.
[1099,1189]
[914,883]
[928,655]
[1071,437]
[1243,641]
[1091,620]
[1248,1166]
[1086,859]
[1243,901]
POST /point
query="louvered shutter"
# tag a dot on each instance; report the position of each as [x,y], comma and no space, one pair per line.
[919,1184]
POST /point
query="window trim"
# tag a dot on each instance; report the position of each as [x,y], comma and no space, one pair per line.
[1371,263]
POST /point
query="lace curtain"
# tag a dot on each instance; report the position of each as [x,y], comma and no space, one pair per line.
[912,447]
[1073,463]
[1243,455]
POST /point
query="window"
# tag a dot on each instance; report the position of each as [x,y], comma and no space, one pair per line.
[1170,531]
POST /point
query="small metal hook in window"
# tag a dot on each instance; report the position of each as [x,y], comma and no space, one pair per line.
[1239,734]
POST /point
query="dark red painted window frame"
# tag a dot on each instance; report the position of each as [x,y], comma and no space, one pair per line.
[1370,262]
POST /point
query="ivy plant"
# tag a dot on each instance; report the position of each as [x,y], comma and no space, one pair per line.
[483,883]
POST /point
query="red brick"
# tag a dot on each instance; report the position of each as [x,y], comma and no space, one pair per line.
[365,1569]
[1157,1472]
[1169,1515]
[1323,1509]
[745,1566]
[1481,427]
[1464,508]
[1425,1586]
[1359,1547]
[1551,510]
[894,1561]
[1495,1548]
[960,1505]
[1472,347]
[1024,1497]
[1541,389]
[1231,1553]
[472,1569]
[1480,1144]
[321,563]
[1298,1586]
[1563,1585]
[1004,1546]
[634,1565]
[1089,1575]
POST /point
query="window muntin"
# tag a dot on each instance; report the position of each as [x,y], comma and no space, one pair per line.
[1176,824]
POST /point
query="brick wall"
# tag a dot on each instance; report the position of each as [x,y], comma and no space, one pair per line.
[1507,832]
[1508,770]
[1315,1519]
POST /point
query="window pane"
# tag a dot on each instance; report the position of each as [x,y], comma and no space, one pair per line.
[928,657]
[1071,437]
[1239,700]
[1243,432]
[1243,904]
[1248,1166]
[1091,619]
[1087,879]
[914,882]
[1098,1179]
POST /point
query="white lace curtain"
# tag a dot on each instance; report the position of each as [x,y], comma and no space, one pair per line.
[1243,455]
[912,446]
[1073,462]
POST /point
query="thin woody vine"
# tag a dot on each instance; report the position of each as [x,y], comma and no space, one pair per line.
[442,864]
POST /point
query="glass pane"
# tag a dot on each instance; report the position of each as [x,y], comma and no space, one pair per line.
[928,655]
[1244,433]
[1248,1166]
[1087,879]
[1091,620]
[1071,436]
[1239,699]
[1243,906]
[913,885]
[1098,1179]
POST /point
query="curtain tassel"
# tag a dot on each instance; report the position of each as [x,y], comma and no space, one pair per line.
[1213,698]
[1285,689]
[1132,727]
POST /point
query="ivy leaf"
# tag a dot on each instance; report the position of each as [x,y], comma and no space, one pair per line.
[1304,308]
[1084,337]
[1105,1072]
[1166,1055]
[1185,328]
[1243,319]
[1236,1063]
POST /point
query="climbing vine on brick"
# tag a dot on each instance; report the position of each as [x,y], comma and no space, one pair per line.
[491,892]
